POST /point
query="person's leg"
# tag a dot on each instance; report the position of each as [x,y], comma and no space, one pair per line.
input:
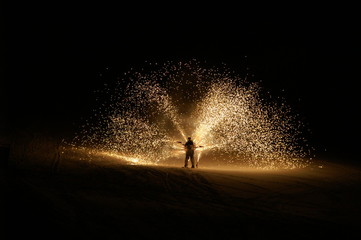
[186,160]
[192,158]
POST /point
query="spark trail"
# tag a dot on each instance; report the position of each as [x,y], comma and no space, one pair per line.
[148,111]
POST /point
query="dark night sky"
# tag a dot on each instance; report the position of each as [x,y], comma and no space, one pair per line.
[54,54]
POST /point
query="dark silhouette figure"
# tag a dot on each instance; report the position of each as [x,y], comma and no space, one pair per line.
[189,147]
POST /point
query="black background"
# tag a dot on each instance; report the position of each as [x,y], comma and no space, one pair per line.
[54,53]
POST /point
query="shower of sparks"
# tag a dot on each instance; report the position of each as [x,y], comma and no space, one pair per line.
[144,116]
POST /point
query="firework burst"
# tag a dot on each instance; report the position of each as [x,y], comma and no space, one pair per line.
[147,112]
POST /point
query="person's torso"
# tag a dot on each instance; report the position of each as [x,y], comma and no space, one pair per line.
[189,145]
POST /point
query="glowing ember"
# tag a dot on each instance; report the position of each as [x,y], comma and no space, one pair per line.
[148,112]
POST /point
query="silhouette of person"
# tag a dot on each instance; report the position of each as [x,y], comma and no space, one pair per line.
[189,147]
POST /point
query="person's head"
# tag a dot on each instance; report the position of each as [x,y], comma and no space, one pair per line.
[189,138]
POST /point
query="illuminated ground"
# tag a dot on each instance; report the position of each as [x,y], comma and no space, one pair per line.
[109,200]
